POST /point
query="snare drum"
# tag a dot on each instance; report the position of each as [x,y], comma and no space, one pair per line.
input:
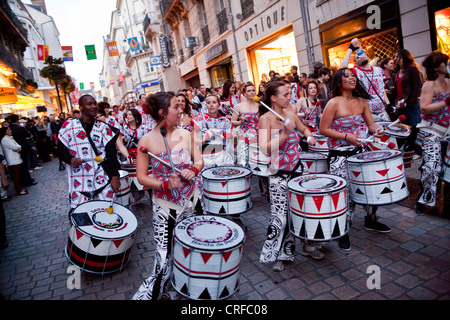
[227,190]
[313,162]
[100,242]
[207,255]
[258,161]
[131,169]
[377,177]
[318,207]
[321,144]
[123,196]
[446,172]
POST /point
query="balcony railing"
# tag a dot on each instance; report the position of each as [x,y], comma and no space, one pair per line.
[222,19]
[11,61]
[205,35]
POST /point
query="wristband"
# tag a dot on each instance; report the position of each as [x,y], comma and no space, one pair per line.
[345,137]
[352,47]
[164,186]
[308,139]
[195,170]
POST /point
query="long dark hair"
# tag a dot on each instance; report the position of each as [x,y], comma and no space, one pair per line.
[359,91]
[226,89]
[271,89]
[137,116]
[432,62]
[157,101]
[187,104]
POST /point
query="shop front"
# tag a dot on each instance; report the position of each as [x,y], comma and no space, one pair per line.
[219,64]
[379,42]
[439,14]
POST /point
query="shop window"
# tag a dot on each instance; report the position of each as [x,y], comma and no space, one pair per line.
[442,20]
[377,46]
[247,7]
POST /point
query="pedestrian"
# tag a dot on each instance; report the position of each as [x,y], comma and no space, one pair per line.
[88,148]
[188,113]
[435,108]
[43,143]
[294,73]
[5,186]
[282,142]
[407,87]
[309,107]
[229,99]
[174,194]
[11,150]
[316,67]
[324,86]
[345,120]
[372,79]
[56,126]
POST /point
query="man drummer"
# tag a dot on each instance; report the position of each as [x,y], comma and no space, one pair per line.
[88,146]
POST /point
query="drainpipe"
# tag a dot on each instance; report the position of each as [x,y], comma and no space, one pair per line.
[306,30]
[235,41]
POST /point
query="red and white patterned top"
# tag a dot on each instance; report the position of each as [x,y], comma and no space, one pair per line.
[372,80]
[441,117]
[348,124]
[288,154]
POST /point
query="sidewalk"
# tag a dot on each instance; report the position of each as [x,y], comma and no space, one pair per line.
[413,259]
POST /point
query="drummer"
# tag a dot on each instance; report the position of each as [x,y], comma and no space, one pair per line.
[347,118]
[88,146]
[174,194]
[282,142]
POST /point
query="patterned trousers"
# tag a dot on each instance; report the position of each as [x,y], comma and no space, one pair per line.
[280,243]
[164,222]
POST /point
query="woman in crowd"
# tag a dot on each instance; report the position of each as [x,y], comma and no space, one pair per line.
[388,66]
[174,193]
[282,142]
[188,113]
[435,108]
[228,99]
[309,106]
[11,150]
[345,120]
[408,84]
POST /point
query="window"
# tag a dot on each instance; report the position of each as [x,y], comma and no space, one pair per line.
[202,13]
[247,8]
[148,67]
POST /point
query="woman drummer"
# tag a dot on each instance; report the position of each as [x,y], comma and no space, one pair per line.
[345,120]
[174,194]
[281,140]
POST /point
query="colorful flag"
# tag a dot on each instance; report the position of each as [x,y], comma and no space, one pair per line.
[67,53]
[102,83]
[134,44]
[111,81]
[90,52]
[42,52]
[92,85]
[112,49]
[81,86]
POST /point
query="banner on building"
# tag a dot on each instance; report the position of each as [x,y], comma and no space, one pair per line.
[90,52]
[112,49]
[8,95]
[67,53]
[164,52]
[134,44]
[111,81]
[92,85]
[155,60]
[42,51]
[81,86]
[102,83]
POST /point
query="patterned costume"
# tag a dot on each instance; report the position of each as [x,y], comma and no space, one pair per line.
[169,208]
[280,243]
[433,127]
[247,133]
[89,181]
[373,82]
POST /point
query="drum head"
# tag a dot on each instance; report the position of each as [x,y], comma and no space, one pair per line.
[225,173]
[92,219]
[374,156]
[312,156]
[395,131]
[210,233]
[317,183]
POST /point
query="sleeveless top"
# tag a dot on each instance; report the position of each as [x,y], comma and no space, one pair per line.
[441,117]
[354,124]
[288,154]
[181,160]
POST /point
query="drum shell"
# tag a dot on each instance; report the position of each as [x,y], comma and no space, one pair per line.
[318,216]
[313,163]
[103,252]
[258,161]
[227,196]
[321,144]
[123,197]
[131,169]
[200,273]
[378,182]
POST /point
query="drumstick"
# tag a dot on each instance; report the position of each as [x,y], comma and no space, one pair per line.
[278,117]
[163,132]
[390,145]
[401,118]
[142,149]
[110,210]
[318,103]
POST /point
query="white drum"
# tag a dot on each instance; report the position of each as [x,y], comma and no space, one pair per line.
[446,171]
[377,177]
[321,144]
[123,197]
[313,163]
[318,207]
[227,190]
[131,169]
[100,242]
[207,255]
[258,161]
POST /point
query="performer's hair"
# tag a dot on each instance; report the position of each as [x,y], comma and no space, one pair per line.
[187,104]
[159,101]
[137,116]
[432,62]
[271,90]
[335,88]
[226,89]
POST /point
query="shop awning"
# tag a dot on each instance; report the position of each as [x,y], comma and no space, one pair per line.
[25,102]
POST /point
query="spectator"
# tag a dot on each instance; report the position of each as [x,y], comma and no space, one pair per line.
[324,82]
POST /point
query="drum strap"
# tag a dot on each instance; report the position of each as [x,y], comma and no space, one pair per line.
[92,194]
[292,174]
[164,204]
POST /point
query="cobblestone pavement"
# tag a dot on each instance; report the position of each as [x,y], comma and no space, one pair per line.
[414,259]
